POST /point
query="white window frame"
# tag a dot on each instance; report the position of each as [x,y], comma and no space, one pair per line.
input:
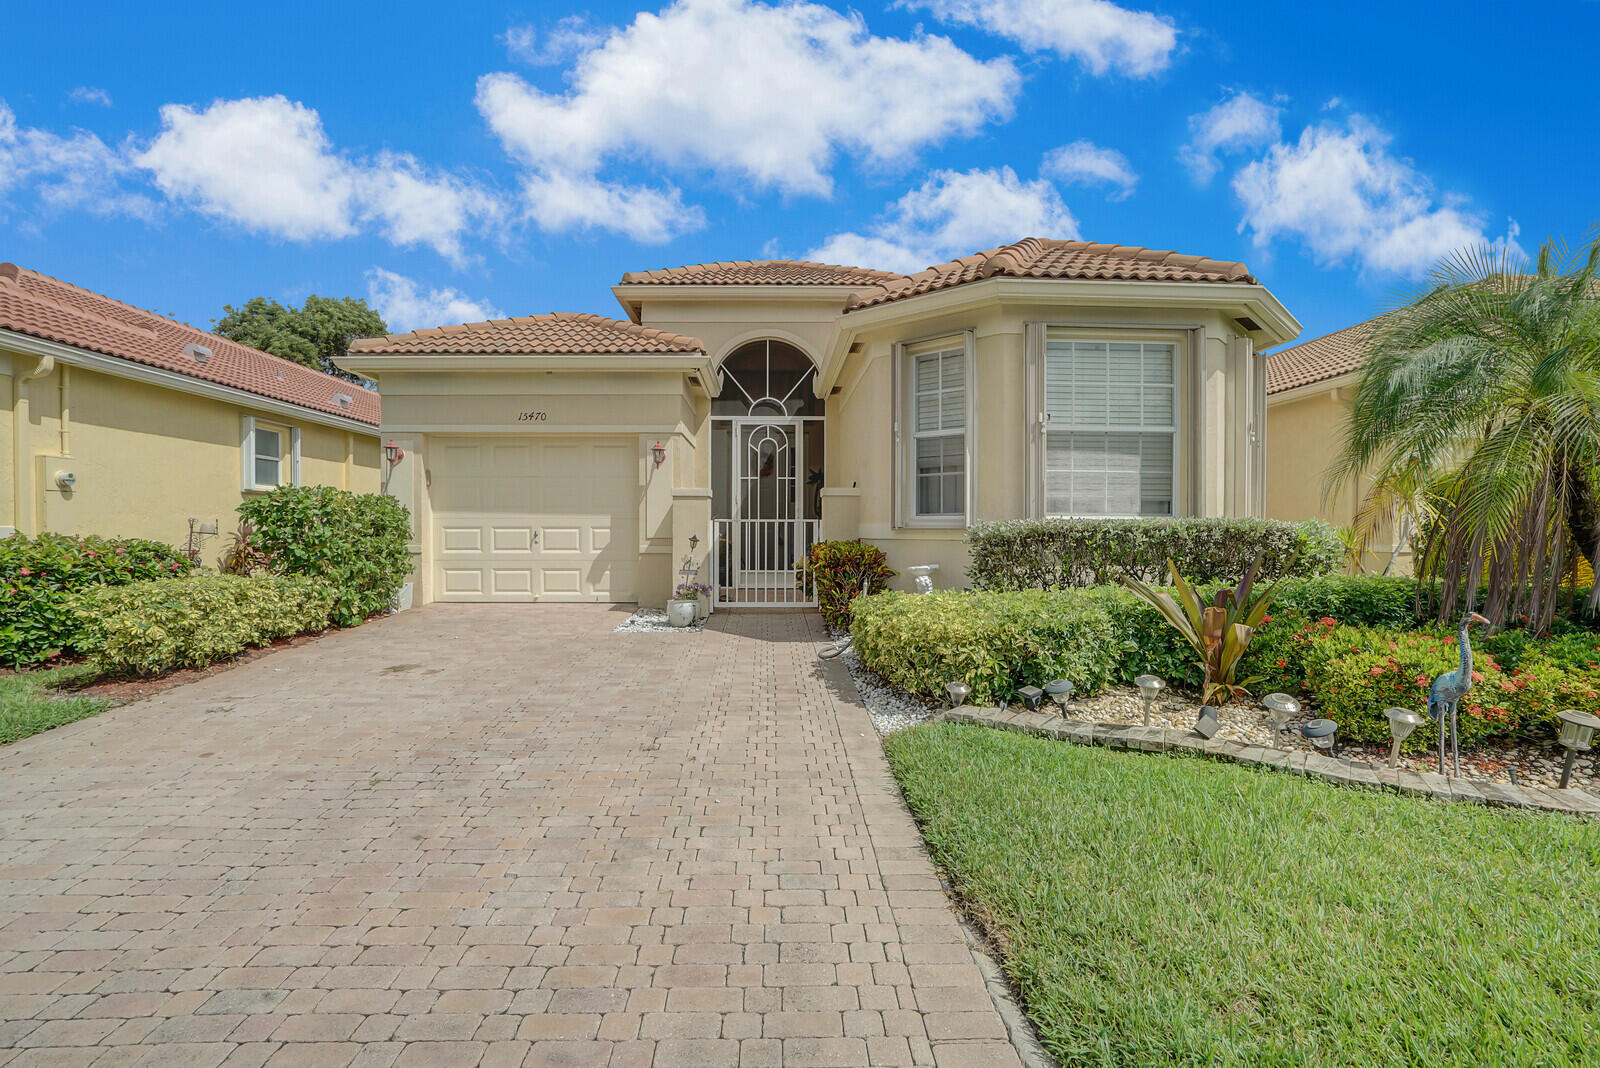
[1179,339]
[905,437]
[288,460]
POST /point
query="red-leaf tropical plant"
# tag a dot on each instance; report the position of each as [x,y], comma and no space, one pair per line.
[1220,632]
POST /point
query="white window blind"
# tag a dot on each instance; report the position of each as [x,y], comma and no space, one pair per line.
[1112,417]
[938,432]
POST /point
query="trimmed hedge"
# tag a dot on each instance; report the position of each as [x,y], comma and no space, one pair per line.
[151,627]
[839,569]
[1043,554]
[995,642]
[354,544]
[998,640]
[40,576]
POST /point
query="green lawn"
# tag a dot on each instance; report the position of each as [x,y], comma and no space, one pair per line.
[1158,910]
[28,705]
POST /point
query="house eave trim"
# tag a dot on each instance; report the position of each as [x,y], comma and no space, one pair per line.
[139,372]
[374,365]
[1311,389]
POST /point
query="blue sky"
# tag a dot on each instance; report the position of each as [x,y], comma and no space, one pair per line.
[515,160]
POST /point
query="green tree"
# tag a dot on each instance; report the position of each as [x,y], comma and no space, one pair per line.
[315,334]
[1484,388]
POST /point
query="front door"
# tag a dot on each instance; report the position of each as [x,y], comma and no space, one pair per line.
[770,534]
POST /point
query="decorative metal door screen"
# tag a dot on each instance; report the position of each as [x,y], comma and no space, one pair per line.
[762,550]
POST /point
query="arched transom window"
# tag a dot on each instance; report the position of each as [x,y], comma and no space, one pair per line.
[767,378]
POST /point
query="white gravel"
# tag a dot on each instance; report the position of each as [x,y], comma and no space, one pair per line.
[655,619]
[892,709]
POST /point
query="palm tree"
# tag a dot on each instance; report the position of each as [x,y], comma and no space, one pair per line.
[1480,400]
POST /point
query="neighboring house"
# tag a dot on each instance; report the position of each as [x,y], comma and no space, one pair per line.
[1309,390]
[120,422]
[743,410]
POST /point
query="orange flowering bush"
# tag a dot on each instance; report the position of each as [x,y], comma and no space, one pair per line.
[1355,673]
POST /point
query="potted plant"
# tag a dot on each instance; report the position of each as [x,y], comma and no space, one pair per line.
[684,608]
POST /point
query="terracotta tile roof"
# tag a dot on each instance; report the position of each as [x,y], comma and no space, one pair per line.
[557,333]
[43,307]
[1036,257]
[761,273]
[1319,359]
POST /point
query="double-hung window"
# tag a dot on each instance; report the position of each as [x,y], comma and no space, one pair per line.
[270,455]
[937,392]
[1111,410]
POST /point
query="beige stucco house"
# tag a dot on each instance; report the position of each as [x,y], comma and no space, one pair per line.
[1309,390]
[739,411]
[120,422]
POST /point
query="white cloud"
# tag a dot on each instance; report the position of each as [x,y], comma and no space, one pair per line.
[1239,123]
[1098,33]
[559,201]
[88,94]
[1340,192]
[570,36]
[405,305]
[764,96]
[1086,163]
[63,172]
[952,214]
[265,163]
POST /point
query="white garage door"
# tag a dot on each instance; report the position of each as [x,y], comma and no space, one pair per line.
[523,519]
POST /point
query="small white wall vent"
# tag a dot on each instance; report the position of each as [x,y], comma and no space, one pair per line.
[343,400]
[199,353]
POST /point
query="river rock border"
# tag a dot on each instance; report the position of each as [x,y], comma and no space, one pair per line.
[1330,769]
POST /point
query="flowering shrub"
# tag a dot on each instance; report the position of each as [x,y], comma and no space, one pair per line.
[994,642]
[39,577]
[1354,674]
[1278,652]
[151,627]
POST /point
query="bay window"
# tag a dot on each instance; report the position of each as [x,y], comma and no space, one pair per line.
[1111,427]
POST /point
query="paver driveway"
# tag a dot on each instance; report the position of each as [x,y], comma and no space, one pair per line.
[489,834]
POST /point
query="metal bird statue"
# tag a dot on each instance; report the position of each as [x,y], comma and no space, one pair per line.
[1448,689]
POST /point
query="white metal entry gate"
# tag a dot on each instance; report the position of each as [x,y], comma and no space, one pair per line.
[761,552]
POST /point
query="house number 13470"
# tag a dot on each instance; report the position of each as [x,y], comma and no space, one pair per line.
[531,417]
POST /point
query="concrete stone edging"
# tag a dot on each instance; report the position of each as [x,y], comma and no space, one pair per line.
[1169,740]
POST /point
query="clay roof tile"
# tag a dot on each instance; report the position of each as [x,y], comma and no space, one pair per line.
[557,333]
[52,310]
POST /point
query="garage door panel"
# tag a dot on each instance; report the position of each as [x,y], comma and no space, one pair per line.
[511,539]
[455,539]
[512,580]
[456,580]
[531,519]
[562,539]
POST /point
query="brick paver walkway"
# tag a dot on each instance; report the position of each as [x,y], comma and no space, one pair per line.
[491,835]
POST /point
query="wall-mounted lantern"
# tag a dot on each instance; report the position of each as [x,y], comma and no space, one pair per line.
[694,542]
[393,453]
[658,453]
